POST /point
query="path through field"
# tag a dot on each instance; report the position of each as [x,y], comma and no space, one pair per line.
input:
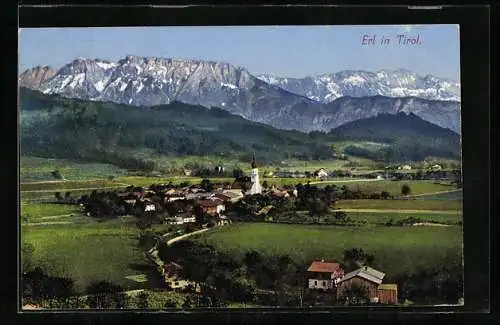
[349,181]
[75,189]
[434,193]
[398,211]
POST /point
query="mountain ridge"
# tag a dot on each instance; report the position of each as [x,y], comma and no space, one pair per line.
[151,81]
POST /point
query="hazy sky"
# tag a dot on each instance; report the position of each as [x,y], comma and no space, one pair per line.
[288,51]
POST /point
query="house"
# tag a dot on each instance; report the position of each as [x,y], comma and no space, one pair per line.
[172,270]
[174,221]
[221,196]
[321,173]
[211,206]
[387,294]
[370,280]
[130,201]
[189,219]
[279,193]
[380,177]
[149,207]
[323,275]
[188,172]
[404,167]
[235,195]
[436,167]
[174,197]
[31,307]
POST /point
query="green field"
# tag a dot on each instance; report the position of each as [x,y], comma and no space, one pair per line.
[62,185]
[439,205]
[44,209]
[397,250]
[394,187]
[39,169]
[89,252]
[382,218]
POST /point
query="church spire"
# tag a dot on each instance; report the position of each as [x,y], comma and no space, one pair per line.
[254,165]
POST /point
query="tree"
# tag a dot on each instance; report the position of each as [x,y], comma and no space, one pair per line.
[105,295]
[58,196]
[67,195]
[356,257]
[56,174]
[27,251]
[340,216]
[355,294]
[238,173]
[405,190]
[265,185]
[385,195]
[207,185]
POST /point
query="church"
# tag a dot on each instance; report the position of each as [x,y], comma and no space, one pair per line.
[249,185]
[254,179]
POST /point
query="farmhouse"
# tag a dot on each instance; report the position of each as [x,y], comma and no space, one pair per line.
[323,275]
[234,195]
[172,270]
[188,172]
[189,219]
[174,197]
[174,221]
[370,281]
[321,173]
[211,206]
[150,207]
[436,167]
[405,167]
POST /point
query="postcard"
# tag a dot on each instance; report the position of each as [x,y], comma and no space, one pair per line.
[240,167]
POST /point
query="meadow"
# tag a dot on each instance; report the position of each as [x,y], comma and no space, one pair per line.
[397,250]
[439,205]
[39,169]
[394,187]
[382,218]
[63,185]
[89,252]
[46,209]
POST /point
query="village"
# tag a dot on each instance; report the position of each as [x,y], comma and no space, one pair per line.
[203,206]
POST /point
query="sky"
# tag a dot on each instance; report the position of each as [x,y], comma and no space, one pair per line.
[285,51]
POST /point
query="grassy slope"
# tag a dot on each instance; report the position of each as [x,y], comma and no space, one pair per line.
[397,250]
[89,252]
[38,169]
[438,205]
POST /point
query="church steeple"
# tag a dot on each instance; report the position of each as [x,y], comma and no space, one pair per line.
[254,165]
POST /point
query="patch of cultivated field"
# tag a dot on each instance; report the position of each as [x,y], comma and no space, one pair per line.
[37,210]
[88,252]
[382,218]
[38,169]
[439,205]
[397,250]
[49,186]
[394,187]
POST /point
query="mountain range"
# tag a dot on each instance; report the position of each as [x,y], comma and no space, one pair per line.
[304,106]
[398,83]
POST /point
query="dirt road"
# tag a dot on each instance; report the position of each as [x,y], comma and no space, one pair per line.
[399,211]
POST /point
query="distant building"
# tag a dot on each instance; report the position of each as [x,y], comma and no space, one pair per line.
[321,173]
[436,167]
[380,177]
[323,275]
[188,172]
[188,219]
[150,207]
[212,206]
[405,167]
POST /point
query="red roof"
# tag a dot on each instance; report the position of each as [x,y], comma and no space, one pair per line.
[323,267]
